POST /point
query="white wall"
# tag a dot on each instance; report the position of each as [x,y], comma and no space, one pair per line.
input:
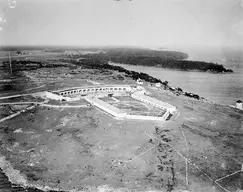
[118,114]
[141,117]
[107,109]
[50,95]
[93,90]
[239,105]
[122,115]
[140,98]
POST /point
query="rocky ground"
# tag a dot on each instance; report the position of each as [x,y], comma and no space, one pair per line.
[85,148]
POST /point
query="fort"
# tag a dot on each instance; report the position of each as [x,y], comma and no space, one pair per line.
[144,107]
[94,89]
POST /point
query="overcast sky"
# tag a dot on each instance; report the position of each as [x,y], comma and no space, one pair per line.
[150,23]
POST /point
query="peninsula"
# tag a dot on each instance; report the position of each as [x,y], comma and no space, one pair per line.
[152,58]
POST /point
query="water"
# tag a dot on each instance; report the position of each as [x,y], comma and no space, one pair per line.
[219,88]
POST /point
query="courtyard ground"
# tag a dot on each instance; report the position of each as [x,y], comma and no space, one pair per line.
[133,106]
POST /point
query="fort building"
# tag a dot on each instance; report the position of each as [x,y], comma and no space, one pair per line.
[92,94]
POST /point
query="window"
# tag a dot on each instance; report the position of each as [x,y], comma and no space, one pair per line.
[87,89]
[115,88]
[61,93]
[96,89]
[124,88]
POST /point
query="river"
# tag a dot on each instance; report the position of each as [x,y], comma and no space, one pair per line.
[218,88]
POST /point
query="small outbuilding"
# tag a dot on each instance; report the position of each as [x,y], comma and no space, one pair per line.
[139,81]
[158,84]
[239,104]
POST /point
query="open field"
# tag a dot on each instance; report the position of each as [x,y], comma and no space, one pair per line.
[37,55]
[45,79]
[84,148]
[67,149]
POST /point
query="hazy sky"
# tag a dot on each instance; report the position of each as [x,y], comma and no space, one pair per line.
[151,23]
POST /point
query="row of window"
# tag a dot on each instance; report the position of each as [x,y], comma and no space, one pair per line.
[93,90]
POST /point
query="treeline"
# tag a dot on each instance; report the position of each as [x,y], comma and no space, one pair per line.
[26,65]
[124,53]
[54,50]
[97,64]
[164,59]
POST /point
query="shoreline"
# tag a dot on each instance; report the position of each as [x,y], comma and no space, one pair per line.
[211,97]
[171,69]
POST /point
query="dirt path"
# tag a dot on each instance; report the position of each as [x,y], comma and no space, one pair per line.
[15,114]
[19,95]
[63,106]
[20,103]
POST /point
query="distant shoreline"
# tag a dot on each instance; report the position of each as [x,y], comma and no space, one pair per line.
[165,60]
[181,70]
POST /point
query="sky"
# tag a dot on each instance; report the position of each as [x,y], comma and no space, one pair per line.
[146,23]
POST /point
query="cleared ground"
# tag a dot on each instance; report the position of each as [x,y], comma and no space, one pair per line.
[76,147]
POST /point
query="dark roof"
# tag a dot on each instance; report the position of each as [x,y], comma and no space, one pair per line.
[239,101]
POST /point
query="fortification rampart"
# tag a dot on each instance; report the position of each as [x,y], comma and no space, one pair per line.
[152,101]
[95,89]
[137,92]
[106,107]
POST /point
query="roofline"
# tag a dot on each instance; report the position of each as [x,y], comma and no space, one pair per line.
[90,86]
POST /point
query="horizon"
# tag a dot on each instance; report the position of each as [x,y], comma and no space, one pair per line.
[92,23]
